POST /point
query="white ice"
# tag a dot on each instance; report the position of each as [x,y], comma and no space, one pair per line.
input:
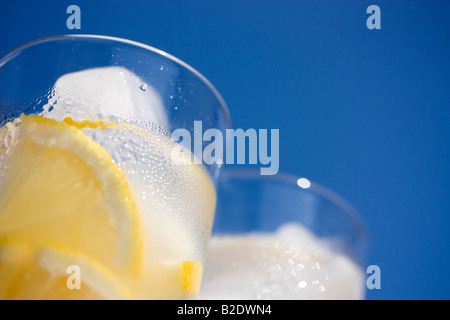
[105,92]
[289,264]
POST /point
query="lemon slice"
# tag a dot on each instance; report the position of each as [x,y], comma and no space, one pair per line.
[90,124]
[173,227]
[172,280]
[171,243]
[62,187]
[52,272]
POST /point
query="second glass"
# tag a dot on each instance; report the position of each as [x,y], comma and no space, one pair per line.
[283,237]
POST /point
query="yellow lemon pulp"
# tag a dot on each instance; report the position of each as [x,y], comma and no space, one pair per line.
[61,186]
[55,273]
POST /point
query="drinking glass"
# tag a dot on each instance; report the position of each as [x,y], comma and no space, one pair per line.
[94,83]
[283,237]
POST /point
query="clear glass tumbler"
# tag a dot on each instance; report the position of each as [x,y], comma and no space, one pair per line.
[92,198]
[283,237]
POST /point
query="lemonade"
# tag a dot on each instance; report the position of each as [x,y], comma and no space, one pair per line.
[87,190]
[290,263]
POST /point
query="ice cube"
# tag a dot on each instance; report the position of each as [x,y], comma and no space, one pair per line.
[105,92]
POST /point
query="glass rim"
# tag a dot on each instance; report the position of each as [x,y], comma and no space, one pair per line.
[224,107]
[314,187]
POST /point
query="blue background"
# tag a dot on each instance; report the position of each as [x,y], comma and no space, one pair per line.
[363,112]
